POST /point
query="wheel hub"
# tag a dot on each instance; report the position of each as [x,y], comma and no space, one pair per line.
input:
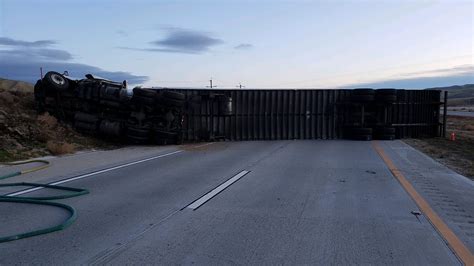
[58,79]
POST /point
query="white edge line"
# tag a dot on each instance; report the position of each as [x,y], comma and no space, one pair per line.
[93,173]
[199,146]
[197,203]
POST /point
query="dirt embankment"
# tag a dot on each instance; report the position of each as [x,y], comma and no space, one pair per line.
[25,134]
[458,154]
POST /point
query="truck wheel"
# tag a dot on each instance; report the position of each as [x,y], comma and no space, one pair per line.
[164,134]
[84,117]
[84,126]
[110,128]
[56,80]
[138,132]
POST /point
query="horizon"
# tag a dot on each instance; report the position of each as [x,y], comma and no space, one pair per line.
[299,44]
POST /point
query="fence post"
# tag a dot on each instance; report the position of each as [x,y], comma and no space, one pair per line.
[445,103]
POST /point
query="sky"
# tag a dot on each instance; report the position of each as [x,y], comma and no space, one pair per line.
[259,44]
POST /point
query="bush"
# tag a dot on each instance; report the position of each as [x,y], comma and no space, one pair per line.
[58,148]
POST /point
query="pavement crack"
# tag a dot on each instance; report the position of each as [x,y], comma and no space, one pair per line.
[109,254]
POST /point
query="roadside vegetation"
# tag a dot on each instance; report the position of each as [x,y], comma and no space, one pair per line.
[25,134]
[460,96]
[457,155]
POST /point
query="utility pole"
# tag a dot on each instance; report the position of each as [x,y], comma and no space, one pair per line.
[240,86]
[210,84]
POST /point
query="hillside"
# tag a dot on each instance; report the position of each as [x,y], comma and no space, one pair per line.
[459,95]
[25,134]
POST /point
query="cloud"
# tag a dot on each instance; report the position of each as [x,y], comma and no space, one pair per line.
[187,40]
[12,42]
[43,53]
[244,46]
[442,77]
[122,33]
[29,71]
[163,50]
[443,71]
[21,62]
[178,40]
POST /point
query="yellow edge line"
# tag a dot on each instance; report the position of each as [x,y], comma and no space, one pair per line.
[461,251]
[34,169]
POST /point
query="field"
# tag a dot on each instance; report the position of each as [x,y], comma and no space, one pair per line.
[457,155]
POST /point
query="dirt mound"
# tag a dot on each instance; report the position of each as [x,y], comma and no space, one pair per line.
[25,134]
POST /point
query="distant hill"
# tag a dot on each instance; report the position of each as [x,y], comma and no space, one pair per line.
[459,95]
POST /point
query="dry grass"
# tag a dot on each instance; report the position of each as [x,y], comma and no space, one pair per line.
[47,121]
[59,148]
[25,134]
[457,155]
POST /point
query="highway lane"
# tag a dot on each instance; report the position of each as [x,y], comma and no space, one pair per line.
[303,202]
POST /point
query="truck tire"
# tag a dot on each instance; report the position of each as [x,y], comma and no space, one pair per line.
[56,81]
[110,103]
[110,128]
[84,117]
[84,126]
[138,132]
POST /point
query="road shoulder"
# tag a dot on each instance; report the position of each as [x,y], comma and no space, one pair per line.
[448,193]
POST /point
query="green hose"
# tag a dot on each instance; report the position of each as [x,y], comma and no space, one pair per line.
[40,200]
[37,168]
[58,227]
[76,191]
[12,174]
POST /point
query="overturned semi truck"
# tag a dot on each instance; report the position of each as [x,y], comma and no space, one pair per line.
[106,108]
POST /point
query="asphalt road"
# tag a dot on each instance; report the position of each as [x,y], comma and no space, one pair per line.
[301,202]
